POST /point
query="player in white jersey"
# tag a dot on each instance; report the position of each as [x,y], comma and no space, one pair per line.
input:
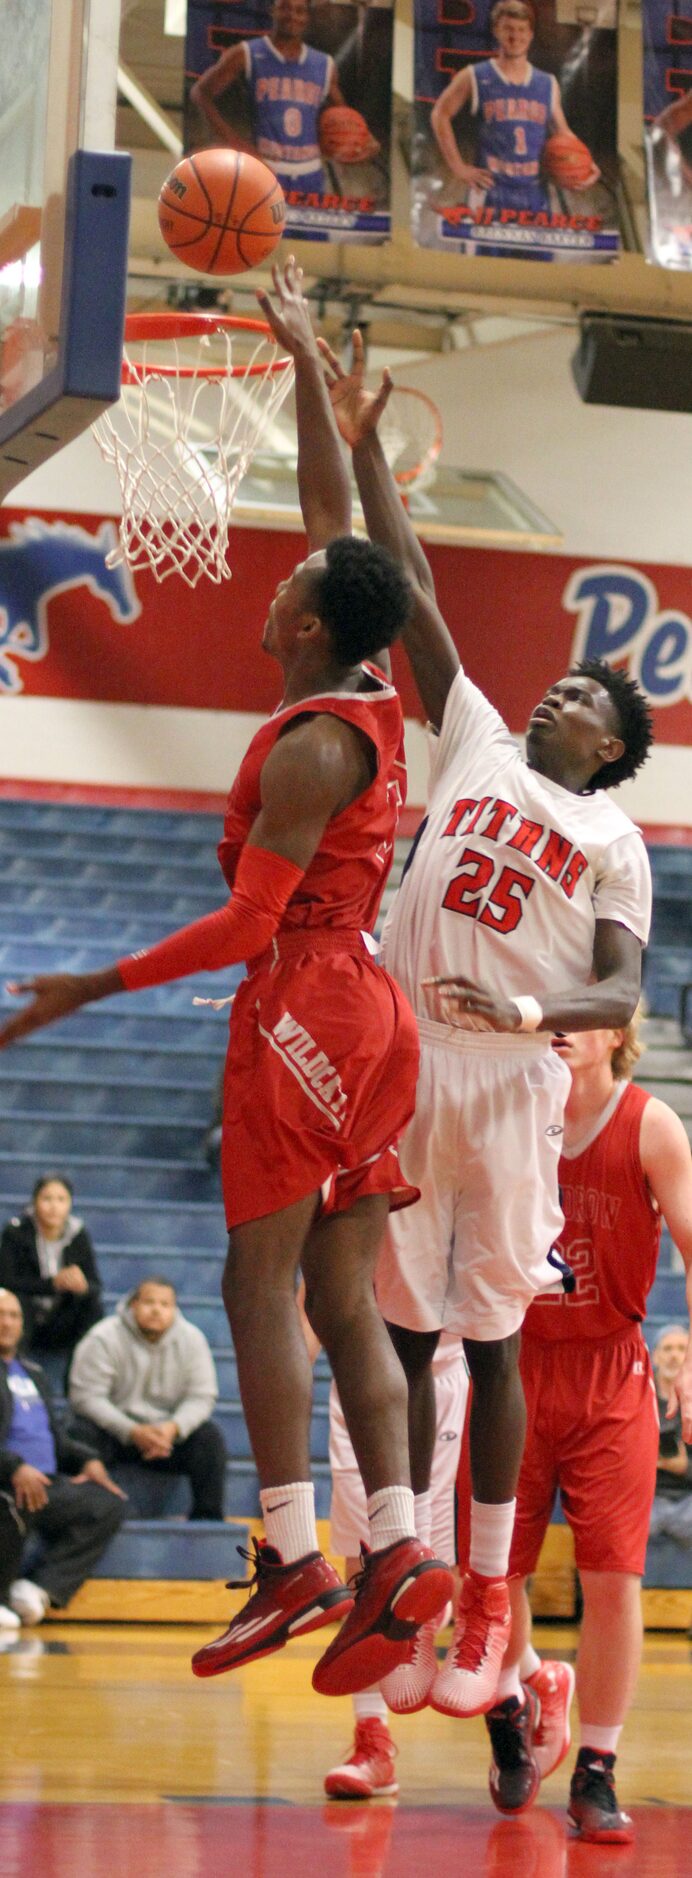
[525,908]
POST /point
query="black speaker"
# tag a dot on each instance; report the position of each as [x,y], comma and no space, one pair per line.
[645,363]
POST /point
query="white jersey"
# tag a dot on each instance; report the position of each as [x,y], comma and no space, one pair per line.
[511,870]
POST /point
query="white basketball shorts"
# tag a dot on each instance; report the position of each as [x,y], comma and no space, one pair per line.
[483,1146]
[348,1512]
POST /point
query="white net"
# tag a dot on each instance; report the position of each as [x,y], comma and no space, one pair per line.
[180,440]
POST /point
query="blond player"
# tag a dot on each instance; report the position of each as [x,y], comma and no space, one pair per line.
[593,1430]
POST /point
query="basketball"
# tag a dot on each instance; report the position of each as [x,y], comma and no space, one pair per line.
[567,160]
[344,134]
[221,211]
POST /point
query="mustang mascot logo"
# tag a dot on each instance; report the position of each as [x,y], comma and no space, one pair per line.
[39,560]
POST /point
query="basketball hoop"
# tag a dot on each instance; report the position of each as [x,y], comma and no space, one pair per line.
[198,392]
[410,432]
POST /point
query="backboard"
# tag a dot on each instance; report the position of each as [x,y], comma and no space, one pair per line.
[472,508]
[64,206]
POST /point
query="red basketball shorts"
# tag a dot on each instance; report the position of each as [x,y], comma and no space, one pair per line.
[320,1080]
[592,1431]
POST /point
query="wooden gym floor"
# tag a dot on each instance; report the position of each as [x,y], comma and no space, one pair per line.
[116,1760]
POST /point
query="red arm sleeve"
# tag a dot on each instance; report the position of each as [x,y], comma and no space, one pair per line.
[264,884]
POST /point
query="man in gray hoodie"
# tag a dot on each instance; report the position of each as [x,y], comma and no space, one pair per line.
[143,1387]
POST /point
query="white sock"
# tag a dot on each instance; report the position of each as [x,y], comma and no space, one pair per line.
[491,1537]
[529,1662]
[390,1516]
[510,1684]
[369,1704]
[422,1513]
[289,1519]
[605,1740]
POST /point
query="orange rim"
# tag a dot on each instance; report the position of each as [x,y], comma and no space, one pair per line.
[140,328]
[405,478]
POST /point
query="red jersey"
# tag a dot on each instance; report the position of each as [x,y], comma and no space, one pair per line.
[612,1231]
[344,883]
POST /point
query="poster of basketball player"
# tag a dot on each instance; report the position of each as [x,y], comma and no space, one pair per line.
[305,85]
[667,29]
[515,118]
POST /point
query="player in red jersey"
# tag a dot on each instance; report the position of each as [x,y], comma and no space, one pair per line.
[592,1429]
[321,1072]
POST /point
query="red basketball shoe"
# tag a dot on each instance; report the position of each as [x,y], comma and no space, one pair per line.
[369,1768]
[397,1590]
[288,1601]
[553,1683]
[466,1684]
[407,1689]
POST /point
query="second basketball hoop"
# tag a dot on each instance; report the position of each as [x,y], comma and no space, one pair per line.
[411,435]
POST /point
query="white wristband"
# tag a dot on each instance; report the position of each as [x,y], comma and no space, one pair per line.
[530,1013]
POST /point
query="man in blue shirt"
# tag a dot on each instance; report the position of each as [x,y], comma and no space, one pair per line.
[48,1484]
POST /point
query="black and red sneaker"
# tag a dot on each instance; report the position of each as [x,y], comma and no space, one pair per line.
[288,1601]
[397,1590]
[514,1778]
[593,1808]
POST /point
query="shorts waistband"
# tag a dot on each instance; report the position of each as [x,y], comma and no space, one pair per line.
[484,1042]
[290,944]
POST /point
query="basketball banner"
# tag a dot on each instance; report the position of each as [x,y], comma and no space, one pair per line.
[667,29]
[515,112]
[71,626]
[306,85]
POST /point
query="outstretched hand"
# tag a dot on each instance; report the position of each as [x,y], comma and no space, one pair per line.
[356,409]
[53,996]
[289,318]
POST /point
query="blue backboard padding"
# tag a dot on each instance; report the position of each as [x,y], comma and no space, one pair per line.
[92,319]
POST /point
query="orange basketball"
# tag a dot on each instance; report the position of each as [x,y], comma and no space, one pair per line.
[221,211]
[567,160]
[344,134]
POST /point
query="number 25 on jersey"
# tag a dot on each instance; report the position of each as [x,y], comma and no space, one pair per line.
[495,897]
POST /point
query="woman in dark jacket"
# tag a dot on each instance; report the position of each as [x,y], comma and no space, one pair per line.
[47,1259]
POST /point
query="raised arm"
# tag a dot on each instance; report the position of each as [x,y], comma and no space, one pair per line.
[323,480]
[429,645]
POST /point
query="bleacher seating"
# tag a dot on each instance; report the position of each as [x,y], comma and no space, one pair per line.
[668,963]
[120,1096]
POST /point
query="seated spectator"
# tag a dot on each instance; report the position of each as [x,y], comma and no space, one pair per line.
[49,1484]
[143,1387]
[48,1261]
[671,1513]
